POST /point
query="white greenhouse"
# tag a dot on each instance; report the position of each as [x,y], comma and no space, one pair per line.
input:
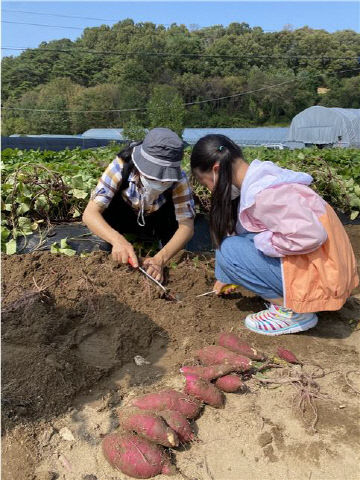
[326,127]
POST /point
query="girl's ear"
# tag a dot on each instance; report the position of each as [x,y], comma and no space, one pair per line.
[216,167]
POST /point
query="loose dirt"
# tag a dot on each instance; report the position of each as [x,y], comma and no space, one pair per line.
[71,328]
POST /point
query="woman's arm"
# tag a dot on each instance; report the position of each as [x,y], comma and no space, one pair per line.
[121,248]
[180,238]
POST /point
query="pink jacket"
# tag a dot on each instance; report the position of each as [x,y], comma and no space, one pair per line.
[295,223]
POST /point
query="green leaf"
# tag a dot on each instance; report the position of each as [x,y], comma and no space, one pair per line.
[79,193]
[24,224]
[22,208]
[77,182]
[11,247]
[5,232]
[54,248]
[63,243]
[68,251]
[76,213]
[354,214]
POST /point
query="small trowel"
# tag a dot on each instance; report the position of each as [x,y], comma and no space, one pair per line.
[166,291]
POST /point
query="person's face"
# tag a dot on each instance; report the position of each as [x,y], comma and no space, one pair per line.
[207,179]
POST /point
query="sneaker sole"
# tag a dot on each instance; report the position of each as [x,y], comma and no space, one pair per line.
[312,322]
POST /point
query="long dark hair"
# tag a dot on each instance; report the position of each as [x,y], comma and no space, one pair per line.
[126,152]
[223,212]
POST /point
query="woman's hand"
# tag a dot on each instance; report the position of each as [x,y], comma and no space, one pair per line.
[154,266]
[223,288]
[122,251]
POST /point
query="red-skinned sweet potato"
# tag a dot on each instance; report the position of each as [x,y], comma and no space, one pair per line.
[179,423]
[169,400]
[230,383]
[235,344]
[215,355]
[204,391]
[136,456]
[287,355]
[148,425]
[208,373]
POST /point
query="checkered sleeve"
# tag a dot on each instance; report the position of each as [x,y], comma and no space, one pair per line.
[108,183]
[183,199]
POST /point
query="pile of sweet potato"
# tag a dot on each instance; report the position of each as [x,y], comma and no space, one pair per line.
[162,419]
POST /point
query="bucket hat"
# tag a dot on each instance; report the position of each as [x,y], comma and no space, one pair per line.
[159,156]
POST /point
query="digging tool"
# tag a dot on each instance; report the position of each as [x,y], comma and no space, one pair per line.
[226,287]
[168,295]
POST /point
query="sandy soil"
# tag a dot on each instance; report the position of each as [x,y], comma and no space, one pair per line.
[68,365]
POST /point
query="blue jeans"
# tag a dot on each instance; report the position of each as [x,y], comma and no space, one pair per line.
[238,261]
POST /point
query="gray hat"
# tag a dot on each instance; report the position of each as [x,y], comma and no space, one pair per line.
[159,156]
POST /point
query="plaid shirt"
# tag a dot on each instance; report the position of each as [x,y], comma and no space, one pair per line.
[111,179]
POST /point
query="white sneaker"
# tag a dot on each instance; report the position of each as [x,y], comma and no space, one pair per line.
[278,320]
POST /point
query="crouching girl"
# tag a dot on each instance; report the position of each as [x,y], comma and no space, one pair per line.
[275,236]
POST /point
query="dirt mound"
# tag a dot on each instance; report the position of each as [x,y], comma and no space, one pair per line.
[61,340]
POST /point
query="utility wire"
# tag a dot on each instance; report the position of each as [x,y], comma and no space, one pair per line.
[42,25]
[190,55]
[74,16]
[103,19]
[266,87]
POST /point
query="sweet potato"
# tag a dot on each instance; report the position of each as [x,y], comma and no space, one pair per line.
[207,373]
[287,356]
[230,383]
[204,391]
[136,456]
[178,422]
[169,400]
[148,425]
[233,342]
[215,355]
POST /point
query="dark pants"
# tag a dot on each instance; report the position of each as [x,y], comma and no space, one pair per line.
[160,225]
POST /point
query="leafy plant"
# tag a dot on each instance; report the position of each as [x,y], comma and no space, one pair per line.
[43,187]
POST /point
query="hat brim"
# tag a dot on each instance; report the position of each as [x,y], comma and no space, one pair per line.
[153,171]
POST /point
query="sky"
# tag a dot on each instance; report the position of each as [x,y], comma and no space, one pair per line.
[270,15]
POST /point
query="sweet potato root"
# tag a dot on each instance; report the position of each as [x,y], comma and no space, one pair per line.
[204,391]
[169,400]
[136,456]
[216,355]
[230,383]
[148,425]
[233,342]
[208,373]
[179,423]
[287,356]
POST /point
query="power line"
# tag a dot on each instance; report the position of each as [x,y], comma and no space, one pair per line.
[42,25]
[266,87]
[166,54]
[102,19]
[72,16]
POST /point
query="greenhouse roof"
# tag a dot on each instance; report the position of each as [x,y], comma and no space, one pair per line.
[108,133]
[241,136]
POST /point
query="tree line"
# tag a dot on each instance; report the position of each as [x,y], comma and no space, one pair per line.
[159,70]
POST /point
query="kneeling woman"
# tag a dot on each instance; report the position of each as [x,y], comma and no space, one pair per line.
[275,236]
[145,192]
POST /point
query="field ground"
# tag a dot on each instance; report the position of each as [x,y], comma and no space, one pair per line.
[68,365]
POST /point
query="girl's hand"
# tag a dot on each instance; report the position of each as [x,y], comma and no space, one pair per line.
[122,251]
[154,266]
[223,288]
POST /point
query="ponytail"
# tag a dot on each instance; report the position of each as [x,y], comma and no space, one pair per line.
[126,153]
[223,211]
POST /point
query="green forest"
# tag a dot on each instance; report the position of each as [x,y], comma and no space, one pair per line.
[168,74]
